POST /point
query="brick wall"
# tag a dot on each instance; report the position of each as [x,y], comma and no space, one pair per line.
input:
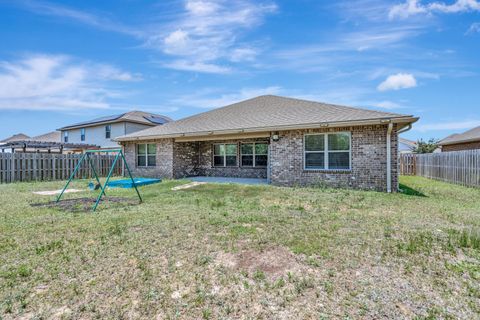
[164,159]
[206,167]
[368,171]
[368,168]
[461,146]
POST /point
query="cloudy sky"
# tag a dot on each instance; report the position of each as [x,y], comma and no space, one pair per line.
[63,62]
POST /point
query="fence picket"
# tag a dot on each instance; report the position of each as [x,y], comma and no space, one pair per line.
[460,167]
[50,166]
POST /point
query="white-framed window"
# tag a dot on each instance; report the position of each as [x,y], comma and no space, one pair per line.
[146,155]
[254,154]
[65,136]
[225,155]
[327,151]
[82,134]
[108,131]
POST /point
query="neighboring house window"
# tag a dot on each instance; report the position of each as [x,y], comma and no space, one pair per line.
[330,151]
[146,155]
[65,136]
[108,131]
[254,154]
[224,155]
[82,134]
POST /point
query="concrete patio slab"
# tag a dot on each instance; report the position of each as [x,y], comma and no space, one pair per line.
[248,181]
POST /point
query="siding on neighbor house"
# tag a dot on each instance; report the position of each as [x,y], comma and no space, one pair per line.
[96,134]
[368,160]
[461,146]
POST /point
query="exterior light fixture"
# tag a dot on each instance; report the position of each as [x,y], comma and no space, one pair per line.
[275,136]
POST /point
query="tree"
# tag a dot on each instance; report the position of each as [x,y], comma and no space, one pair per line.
[426,146]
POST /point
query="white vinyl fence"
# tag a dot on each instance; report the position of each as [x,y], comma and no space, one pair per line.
[15,167]
[460,167]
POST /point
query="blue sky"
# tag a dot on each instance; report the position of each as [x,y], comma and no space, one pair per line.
[63,62]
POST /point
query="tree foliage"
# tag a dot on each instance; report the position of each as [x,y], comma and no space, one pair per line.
[426,146]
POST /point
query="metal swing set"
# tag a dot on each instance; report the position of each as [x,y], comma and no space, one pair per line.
[87,157]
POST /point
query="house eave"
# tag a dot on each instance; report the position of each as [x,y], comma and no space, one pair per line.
[459,142]
[400,120]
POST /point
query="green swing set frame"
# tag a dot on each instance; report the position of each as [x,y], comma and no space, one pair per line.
[86,157]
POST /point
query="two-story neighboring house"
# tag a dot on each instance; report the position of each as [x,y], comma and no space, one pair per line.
[102,131]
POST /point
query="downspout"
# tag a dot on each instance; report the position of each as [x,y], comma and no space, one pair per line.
[389,157]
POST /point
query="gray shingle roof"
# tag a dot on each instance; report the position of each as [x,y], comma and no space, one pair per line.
[16,137]
[467,136]
[264,113]
[132,116]
[54,136]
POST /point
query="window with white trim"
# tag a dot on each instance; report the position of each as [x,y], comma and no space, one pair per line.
[328,151]
[108,131]
[254,154]
[224,155]
[82,134]
[146,155]
[65,136]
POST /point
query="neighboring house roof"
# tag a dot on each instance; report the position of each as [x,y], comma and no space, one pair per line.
[147,118]
[15,137]
[54,136]
[406,145]
[468,136]
[267,113]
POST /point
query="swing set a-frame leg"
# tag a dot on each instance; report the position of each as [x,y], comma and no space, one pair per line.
[106,182]
[71,176]
[131,177]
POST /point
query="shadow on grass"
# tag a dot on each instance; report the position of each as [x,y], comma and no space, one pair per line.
[410,192]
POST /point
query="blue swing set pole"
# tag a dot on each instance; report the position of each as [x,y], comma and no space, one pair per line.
[106,182]
[131,177]
[72,176]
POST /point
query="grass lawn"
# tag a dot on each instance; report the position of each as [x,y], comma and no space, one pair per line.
[249,252]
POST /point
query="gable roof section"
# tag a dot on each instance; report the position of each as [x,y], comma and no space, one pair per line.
[266,113]
[54,136]
[132,116]
[15,137]
[468,136]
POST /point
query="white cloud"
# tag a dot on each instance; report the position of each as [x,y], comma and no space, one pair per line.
[398,81]
[197,66]
[386,105]
[414,7]
[243,54]
[474,28]
[56,82]
[211,99]
[208,32]
[204,33]
[97,21]
[454,125]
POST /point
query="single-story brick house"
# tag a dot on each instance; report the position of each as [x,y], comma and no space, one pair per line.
[469,140]
[287,141]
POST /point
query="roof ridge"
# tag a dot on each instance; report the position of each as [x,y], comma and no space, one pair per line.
[337,105]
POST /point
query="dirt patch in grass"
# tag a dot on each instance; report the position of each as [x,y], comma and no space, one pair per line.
[273,262]
[85,204]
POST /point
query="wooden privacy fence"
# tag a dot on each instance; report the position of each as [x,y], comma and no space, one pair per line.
[16,167]
[460,167]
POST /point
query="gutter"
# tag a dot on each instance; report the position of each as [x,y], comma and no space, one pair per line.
[389,157]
